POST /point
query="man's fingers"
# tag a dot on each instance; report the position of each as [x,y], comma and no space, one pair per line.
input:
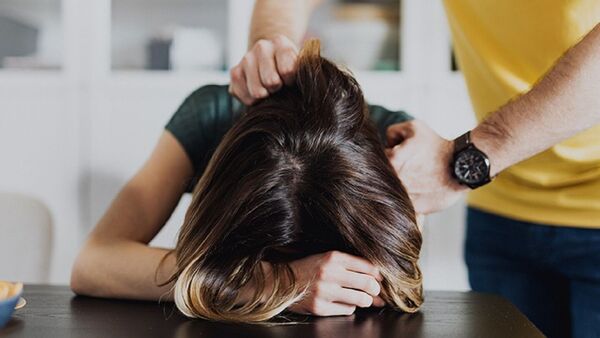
[264,69]
[238,87]
[266,66]
[397,156]
[286,55]
[423,206]
[286,64]
[420,220]
[359,281]
[393,136]
[255,87]
[397,133]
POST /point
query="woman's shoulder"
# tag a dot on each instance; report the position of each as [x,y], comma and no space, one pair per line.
[202,119]
[383,118]
[382,115]
[209,90]
[206,106]
[213,96]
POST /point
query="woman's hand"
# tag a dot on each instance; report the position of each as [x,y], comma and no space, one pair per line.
[337,284]
[267,66]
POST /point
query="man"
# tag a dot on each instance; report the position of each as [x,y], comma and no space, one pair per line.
[532,164]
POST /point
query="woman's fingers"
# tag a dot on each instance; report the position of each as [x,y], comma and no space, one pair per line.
[359,281]
[351,297]
[337,283]
[354,263]
[325,308]
[332,292]
[378,302]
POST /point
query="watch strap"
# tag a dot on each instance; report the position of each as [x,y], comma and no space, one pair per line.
[462,142]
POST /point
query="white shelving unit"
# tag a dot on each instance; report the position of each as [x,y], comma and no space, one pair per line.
[73,136]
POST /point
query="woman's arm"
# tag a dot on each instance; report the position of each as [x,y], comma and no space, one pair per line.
[116,260]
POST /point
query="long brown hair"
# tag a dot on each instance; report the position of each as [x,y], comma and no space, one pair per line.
[301,172]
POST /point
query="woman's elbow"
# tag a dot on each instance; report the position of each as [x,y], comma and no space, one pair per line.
[81,278]
[77,281]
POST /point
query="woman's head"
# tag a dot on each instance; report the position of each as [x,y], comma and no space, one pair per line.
[299,173]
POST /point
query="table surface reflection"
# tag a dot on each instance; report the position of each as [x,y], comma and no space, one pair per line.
[54,311]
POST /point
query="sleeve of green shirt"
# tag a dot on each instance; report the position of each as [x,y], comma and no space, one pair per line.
[204,117]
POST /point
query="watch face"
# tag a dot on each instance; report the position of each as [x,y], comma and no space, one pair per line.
[471,167]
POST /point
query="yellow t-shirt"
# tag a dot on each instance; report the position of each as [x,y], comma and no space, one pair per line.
[504,47]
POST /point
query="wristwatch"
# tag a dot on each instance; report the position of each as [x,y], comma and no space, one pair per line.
[470,166]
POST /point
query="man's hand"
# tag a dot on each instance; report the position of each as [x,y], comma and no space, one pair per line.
[337,284]
[267,66]
[421,158]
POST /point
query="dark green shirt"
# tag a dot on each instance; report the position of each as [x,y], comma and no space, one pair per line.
[205,116]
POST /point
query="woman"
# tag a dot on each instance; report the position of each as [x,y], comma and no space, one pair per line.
[297,192]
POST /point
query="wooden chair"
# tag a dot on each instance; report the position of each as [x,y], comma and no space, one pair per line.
[25,239]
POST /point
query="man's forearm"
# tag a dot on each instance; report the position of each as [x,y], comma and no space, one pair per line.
[565,102]
[287,17]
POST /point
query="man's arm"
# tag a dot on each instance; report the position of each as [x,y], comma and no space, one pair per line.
[276,30]
[565,102]
[280,17]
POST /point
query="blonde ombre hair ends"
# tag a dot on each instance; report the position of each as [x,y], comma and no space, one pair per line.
[300,172]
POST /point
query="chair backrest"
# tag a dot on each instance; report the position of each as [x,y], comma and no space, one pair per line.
[25,239]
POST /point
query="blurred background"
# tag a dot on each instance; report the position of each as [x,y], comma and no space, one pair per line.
[77,77]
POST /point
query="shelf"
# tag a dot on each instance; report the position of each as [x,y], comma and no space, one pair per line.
[364,35]
[141,76]
[31,78]
[175,34]
[166,78]
[119,30]
[162,81]
[85,108]
[31,34]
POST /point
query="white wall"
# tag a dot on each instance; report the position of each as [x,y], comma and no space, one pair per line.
[39,149]
[72,138]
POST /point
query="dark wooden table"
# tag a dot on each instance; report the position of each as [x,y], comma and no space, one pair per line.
[54,311]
